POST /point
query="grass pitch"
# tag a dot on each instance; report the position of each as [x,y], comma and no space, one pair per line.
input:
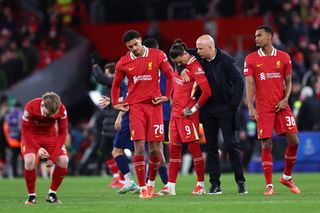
[90,194]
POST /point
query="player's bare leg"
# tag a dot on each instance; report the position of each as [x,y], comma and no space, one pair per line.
[290,160]
[30,176]
[58,174]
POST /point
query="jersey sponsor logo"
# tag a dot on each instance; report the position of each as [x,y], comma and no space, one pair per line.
[150,66]
[142,78]
[259,65]
[264,76]
[25,115]
[199,71]
[131,68]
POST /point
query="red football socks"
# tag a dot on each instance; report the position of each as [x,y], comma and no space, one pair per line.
[198,161]
[140,167]
[175,161]
[267,164]
[57,177]
[154,163]
[112,165]
[30,178]
[290,159]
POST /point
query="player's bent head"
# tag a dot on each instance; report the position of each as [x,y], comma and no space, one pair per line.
[266,28]
[151,43]
[51,101]
[130,35]
[177,49]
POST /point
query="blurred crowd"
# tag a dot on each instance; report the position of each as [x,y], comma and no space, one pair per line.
[30,39]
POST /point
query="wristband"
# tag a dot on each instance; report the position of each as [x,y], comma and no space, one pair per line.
[193,109]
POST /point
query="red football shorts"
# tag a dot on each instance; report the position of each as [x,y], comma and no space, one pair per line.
[146,122]
[184,129]
[48,143]
[283,121]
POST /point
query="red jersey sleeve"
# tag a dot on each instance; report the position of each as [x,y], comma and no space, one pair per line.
[199,76]
[166,68]
[287,65]
[26,128]
[115,90]
[62,132]
[247,70]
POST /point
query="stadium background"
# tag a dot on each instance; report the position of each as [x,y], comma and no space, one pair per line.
[46,45]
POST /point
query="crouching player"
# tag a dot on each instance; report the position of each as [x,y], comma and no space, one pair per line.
[44,132]
[184,123]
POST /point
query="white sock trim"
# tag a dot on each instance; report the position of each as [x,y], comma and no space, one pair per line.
[286,177]
[201,183]
[151,183]
[51,191]
[270,185]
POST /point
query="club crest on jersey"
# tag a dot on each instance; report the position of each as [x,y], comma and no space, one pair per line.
[261,133]
[278,64]
[150,66]
[25,115]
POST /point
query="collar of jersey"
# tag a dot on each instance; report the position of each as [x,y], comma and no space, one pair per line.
[273,52]
[145,54]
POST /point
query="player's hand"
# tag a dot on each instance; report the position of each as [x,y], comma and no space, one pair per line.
[104,101]
[122,107]
[187,112]
[281,105]
[184,75]
[253,113]
[160,99]
[49,163]
[117,123]
[43,154]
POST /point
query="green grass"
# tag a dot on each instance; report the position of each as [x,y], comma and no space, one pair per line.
[90,194]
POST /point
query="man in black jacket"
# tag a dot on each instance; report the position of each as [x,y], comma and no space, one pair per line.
[221,110]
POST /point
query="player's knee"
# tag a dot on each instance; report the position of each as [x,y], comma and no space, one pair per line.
[292,139]
[116,152]
[63,161]
[29,161]
[267,144]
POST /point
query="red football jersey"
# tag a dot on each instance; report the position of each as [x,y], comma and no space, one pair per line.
[269,73]
[35,124]
[143,76]
[183,95]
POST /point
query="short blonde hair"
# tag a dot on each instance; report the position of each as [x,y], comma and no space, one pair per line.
[51,102]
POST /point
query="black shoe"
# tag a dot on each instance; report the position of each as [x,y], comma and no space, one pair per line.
[52,198]
[242,189]
[215,190]
[32,199]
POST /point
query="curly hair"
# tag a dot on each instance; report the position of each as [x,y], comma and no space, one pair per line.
[51,102]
